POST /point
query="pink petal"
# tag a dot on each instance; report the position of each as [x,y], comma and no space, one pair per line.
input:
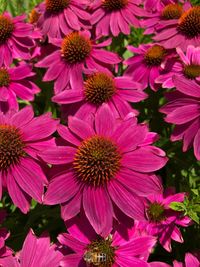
[191,261]
[144,159]
[197,145]
[30,177]
[72,208]
[74,260]
[184,114]
[61,189]
[98,209]
[76,245]
[121,196]
[80,128]
[58,155]
[186,86]
[28,250]
[104,126]
[19,197]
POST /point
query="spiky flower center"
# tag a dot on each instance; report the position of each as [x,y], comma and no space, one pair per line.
[191,71]
[75,48]
[99,88]
[34,16]
[189,23]
[11,146]
[4,77]
[112,5]
[155,55]
[96,161]
[156,212]
[172,11]
[6,28]
[100,253]
[56,6]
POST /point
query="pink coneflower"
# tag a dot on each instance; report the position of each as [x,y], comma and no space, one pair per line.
[115,16]
[99,88]
[161,13]
[162,220]
[60,17]
[183,110]
[76,53]
[190,261]
[183,72]
[116,250]
[106,158]
[182,32]
[15,82]
[146,65]
[21,137]
[15,38]
[38,252]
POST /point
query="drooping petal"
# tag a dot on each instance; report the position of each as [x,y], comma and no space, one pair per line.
[98,209]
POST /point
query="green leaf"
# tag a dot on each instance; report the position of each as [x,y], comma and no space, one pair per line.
[178,206]
[193,215]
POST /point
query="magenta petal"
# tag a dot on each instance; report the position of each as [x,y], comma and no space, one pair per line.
[176,235]
[186,86]
[160,264]
[124,261]
[68,97]
[76,245]
[58,155]
[132,137]
[74,260]
[104,121]
[40,127]
[121,196]
[23,117]
[98,209]
[61,189]
[72,208]
[197,145]
[30,177]
[29,250]
[140,183]
[65,133]
[19,197]
[137,246]
[192,261]
[184,114]
[80,127]
[145,159]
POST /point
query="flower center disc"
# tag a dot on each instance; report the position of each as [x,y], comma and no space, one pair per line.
[192,71]
[4,77]
[189,24]
[96,161]
[33,16]
[156,212]
[154,55]
[75,48]
[100,253]
[112,5]
[99,88]
[6,28]
[56,6]
[172,11]
[11,146]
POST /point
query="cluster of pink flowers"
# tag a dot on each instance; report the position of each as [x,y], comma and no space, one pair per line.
[101,168]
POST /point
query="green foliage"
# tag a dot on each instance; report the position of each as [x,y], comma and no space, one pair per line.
[190,206]
[17,7]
